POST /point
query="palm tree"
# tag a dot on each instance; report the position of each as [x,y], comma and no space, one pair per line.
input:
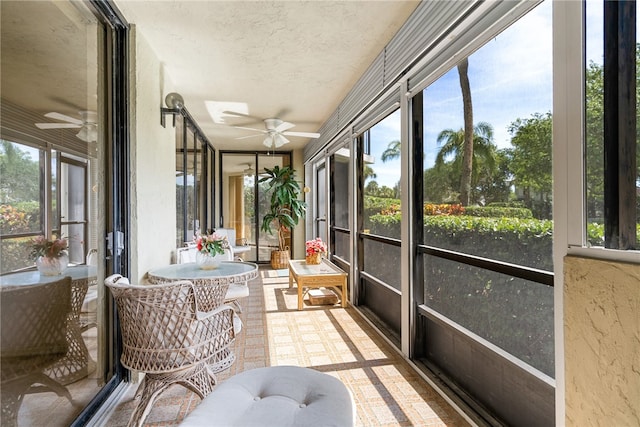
[453,143]
[392,152]
[467,158]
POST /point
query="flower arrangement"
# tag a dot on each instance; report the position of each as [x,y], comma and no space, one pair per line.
[211,244]
[316,246]
[48,248]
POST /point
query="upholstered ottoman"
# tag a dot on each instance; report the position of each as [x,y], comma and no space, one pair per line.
[277,396]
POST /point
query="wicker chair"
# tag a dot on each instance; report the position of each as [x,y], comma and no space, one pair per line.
[235,290]
[33,321]
[171,332]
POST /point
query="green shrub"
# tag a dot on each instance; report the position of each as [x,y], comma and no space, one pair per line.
[19,218]
[520,241]
[498,212]
[14,254]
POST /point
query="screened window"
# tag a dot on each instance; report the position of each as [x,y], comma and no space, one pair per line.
[381,174]
[487,226]
[340,206]
[194,181]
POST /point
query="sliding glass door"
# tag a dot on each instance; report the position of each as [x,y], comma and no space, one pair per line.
[244,200]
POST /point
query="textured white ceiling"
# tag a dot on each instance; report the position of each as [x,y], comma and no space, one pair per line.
[294,60]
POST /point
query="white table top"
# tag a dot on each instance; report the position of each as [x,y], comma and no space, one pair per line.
[231,271]
[325,267]
[33,277]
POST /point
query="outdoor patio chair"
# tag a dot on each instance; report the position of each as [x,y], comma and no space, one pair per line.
[235,290]
[238,246]
[168,336]
[33,320]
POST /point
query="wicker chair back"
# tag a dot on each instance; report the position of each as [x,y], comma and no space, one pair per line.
[171,332]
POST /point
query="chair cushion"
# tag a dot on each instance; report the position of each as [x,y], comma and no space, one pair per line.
[276,396]
[236,290]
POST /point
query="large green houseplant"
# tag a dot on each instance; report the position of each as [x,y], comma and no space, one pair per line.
[285,210]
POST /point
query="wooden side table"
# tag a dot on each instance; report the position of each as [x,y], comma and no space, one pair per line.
[323,275]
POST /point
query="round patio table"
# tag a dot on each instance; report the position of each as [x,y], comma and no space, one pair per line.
[228,272]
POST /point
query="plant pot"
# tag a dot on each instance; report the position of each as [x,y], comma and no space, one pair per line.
[315,258]
[204,261]
[52,266]
[279,259]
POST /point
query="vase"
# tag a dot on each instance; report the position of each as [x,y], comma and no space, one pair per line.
[205,261]
[52,266]
[314,258]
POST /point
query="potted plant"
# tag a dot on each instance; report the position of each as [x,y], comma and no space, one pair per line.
[50,255]
[285,210]
[209,246]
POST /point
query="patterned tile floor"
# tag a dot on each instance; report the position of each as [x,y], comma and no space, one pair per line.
[386,390]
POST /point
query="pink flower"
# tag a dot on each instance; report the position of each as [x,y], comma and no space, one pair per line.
[316,246]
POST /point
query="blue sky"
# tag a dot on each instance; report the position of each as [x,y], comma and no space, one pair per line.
[510,78]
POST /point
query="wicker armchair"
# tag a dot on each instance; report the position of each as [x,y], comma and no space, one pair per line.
[33,322]
[170,333]
[235,290]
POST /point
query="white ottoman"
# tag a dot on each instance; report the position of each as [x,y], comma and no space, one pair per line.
[277,396]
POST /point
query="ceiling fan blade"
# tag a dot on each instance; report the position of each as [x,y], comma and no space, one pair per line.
[247,116]
[58,125]
[250,136]
[303,134]
[253,129]
[64,118]
[284,126]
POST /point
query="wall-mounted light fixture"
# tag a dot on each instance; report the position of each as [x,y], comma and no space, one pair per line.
[175,105]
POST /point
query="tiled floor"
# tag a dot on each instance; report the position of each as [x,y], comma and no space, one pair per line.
[386,390]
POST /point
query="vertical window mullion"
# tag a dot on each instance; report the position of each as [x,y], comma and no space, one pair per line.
[620,124]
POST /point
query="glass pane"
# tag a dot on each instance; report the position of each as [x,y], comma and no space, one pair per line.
[342,244]
[21,189]
[61,181]
[382,179]
[238,204]
[198,220]
[340,186]
[181,235]
[594,135]
[73,207]
[321,203]
[193,223]
[493,198]
[268,242]
[382,261]
[514,314]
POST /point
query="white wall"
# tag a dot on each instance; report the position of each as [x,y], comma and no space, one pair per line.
[153,184]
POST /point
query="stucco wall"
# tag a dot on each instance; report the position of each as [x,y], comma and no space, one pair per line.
[602,342]
[153,185]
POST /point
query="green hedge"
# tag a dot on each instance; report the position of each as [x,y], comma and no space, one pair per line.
[520,241]
[498,212]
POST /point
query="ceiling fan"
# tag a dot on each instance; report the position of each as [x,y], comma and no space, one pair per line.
[87,124]
[249,170]
[276,132]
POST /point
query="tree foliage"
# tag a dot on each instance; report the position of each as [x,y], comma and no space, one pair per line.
[530,160]
[20,175]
